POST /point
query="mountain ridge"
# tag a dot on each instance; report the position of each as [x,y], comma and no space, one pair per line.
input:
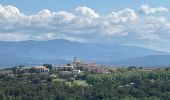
[150,60]
[60,50]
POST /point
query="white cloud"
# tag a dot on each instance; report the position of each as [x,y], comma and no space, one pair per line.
[126,15]
[63,17]
[87,12]
[9,16]
[146,9]
[85,25]
[9,11]
[13,37]
[51,19]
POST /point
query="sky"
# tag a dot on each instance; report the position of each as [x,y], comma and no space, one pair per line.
[143,23]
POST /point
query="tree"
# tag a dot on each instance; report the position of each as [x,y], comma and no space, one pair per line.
[48,66]
[68,64]
[49,79]
[165,96]
[36,81]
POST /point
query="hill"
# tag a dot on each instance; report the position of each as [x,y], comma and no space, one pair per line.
[62,51]
[151,60]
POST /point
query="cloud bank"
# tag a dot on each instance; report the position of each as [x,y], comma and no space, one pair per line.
[86,25]
[146,9]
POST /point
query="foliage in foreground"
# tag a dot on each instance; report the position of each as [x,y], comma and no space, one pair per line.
[119,86]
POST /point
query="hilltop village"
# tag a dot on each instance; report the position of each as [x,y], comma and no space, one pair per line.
[79,67]
[84,81]
[75,68]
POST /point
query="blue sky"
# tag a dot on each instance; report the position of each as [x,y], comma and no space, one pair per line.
[102,6]
[143,23]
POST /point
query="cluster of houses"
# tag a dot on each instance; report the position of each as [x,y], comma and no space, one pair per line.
[77,67]
[36,69]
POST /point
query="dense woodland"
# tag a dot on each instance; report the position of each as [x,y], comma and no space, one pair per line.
[128,85]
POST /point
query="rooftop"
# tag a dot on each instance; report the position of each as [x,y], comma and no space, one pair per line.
[40,67]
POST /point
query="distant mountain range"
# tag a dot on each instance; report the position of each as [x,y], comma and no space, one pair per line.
[151,60]
[62,51]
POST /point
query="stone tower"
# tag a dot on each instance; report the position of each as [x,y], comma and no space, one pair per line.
[75,60]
